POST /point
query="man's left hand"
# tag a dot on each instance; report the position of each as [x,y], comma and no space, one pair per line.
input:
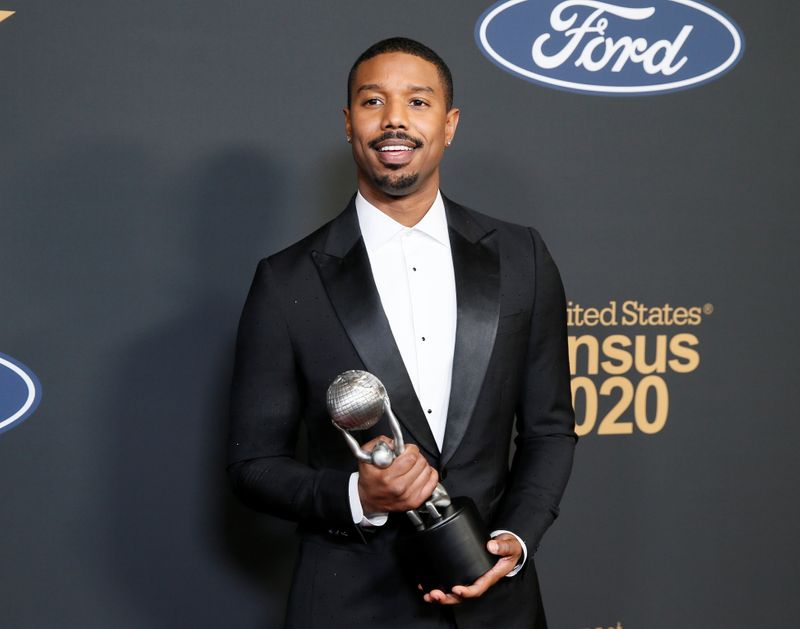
[508,548]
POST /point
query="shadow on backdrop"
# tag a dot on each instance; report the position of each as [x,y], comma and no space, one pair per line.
[188,552]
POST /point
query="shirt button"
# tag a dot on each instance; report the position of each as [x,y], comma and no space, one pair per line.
[429,411]
[423,338]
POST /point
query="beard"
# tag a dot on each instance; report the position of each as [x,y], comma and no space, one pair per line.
[397,185]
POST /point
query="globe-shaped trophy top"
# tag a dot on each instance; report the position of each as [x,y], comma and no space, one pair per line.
[356,400]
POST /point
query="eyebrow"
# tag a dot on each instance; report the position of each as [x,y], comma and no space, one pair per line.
[411,88]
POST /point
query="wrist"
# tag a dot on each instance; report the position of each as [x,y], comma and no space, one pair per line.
[523,557]
[358,512]
[366,505]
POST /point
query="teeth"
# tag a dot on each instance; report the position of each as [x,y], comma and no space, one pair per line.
[398,147]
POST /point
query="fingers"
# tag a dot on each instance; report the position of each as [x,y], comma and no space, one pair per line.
[460,593]
[509,550]
[504,547]
[402,465]
[405,484]
[417,483]
[482,584]
[373,442]
[433,480]
[442,598]
[399,467]
[407,469]
[421,488]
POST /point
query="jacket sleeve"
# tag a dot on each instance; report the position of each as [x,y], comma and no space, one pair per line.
[265,416]
[545,419]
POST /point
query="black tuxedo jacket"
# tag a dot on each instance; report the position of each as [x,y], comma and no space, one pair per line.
[313,311]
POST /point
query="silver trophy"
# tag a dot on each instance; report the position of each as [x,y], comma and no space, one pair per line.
[448,542]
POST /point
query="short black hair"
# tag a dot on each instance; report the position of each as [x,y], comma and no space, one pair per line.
[410,47]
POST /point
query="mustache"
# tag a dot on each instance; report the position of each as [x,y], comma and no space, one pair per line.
[395,135]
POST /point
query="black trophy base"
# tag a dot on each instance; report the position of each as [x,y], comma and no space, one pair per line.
[449,552]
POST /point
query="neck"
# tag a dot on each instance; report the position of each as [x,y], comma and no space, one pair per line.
[407,210]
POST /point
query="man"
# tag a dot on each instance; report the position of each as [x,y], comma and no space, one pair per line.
[461,316]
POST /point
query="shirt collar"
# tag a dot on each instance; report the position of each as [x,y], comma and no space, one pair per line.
[378,228]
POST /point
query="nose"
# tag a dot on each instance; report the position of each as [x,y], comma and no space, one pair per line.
[395,115]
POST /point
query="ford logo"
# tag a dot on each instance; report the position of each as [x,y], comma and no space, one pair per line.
[619,48]
[20,392]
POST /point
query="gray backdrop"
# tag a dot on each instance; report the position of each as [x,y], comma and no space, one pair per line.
[151,153]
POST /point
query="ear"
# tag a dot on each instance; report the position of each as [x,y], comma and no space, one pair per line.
[348,128]
[451,123]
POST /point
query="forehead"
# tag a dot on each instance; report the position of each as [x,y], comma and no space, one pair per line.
[398,70]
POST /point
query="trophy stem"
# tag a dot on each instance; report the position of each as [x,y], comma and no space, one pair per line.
[397,434]
[355,447]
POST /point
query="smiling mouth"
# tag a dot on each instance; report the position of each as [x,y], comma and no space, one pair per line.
[395,141]
[395,149]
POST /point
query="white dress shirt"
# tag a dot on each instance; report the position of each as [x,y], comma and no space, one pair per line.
[413,271]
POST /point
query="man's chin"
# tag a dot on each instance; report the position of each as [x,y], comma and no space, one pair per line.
[397,185]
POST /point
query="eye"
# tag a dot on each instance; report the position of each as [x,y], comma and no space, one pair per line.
[373,102]
[418,102]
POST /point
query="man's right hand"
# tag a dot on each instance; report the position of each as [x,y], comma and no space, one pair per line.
[405,484]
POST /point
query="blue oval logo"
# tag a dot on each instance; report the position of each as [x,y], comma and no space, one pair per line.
[615,48]
[20,392]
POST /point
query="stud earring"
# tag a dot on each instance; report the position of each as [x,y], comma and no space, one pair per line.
[348,138]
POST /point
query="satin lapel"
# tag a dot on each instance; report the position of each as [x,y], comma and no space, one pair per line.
[346,273]
[476,263]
